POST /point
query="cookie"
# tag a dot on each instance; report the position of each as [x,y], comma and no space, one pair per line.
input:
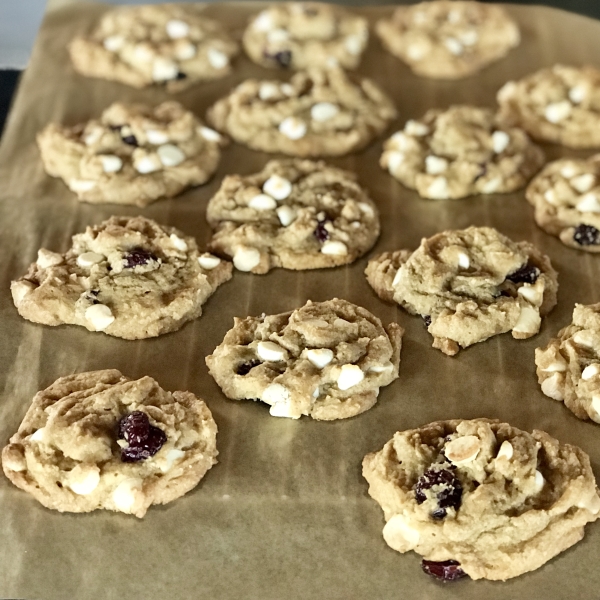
[133,154]
[481,498]
[128,277]
[326,360]
[566,198]
[448,39]
[560,104]
[468,285]
[295,214]
[169,45]
[304,35]
[461,151]
[101,440]
[318,113]
[568,367]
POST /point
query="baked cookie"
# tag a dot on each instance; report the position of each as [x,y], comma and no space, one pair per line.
[568,367]
[100,440]
[481,498]
[133,154]
[295,214]
[173,45]
[128,277]
[318,113]
[326,360]
[560,104]
[468,285]
[461,151]
[566,198]
[448,39]
[304,35]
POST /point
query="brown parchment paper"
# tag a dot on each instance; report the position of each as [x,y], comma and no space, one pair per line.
[285,513]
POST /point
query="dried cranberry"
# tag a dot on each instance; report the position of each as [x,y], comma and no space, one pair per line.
[439,514]
[447,570]
[525,274]
[246,367]
[181,75]
[586,235]
[449,492]
[134,427]
[138,257]
[144,440]
[320,232]
[283,58]
[130,139]
[426,320]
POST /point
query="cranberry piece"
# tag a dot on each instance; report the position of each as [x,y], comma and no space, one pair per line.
[320,232]
[144,440]
[246,367]
[130,139]
[138,257]
[447,570]
[181,75]
[525,274]
[586,235]
[426,320]
[284,58]
[449,489]
[134,427]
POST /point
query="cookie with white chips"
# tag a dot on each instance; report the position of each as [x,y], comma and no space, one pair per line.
[317,113]
[170,45]
[481,498]
[99,440]
[448,39]
[468,285]
[461,151]
[559,104]
[295,214]
[326,360]
[132,154]
[566,198]
[568,367]
[302,35]
[128,277]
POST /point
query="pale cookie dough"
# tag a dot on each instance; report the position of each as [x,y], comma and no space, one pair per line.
[133,154]
[448,39]
[302,35]
[173,45]
[568,368]
[318,113]
[128,277]
[461,151]
[560,104]
[326,360]
[468,285]
[566,198]
[100,440]
[481,498]
[295,214]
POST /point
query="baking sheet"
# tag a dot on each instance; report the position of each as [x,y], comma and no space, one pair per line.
[285,513]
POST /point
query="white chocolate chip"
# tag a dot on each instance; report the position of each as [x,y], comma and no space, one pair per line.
[83,480]
[399,534]
[532,293]
[577,94]
[278,36]
[283,409]
[529,321]
[319,357]
[157,137]
[367,209]
[584,338]
[164,69]
[270,351]
[20,289]
[263,22]
[100,316]
[500,141]
[275,393]
[170,155]
[388,366]
[583,183]
[454,46]
[539,481]
[550,387]
[217,59]
[246,258]
[38,435]
[277,187]
[469,37]
[550,197]
[353,44]
[210,135]
[397,278]
[416,128]
[395,160]
[464,262]
[591,504]
[147,164]
[568,171]
[316,393]
[87,259]
[177,29]
[47,258]
[113,43]
[558,111]
[558,365]
[590,372]
[173,456]
[94,136]
[184,50]
[293,128]
[334,248]
[124,494]
[489,187]
[462,450]
[262,202]
[417,51]
[286,215]
[268,90]
[111,163]
[506,451]
[434,165]
[350,375]
[438,189]
[589,203]
[323,111]
[209,262]
[179,243]
[288,89]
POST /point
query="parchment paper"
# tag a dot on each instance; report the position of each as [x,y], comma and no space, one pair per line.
[285,513]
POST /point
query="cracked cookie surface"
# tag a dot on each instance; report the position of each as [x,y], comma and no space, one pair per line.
[468,285]
[448,40]
[171,45]
[459,152]
[128,277]
[303,35]
[73,450]
[133,154]
[492,499]
[326,360]
[317,113]
[295,214]
[560,104]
